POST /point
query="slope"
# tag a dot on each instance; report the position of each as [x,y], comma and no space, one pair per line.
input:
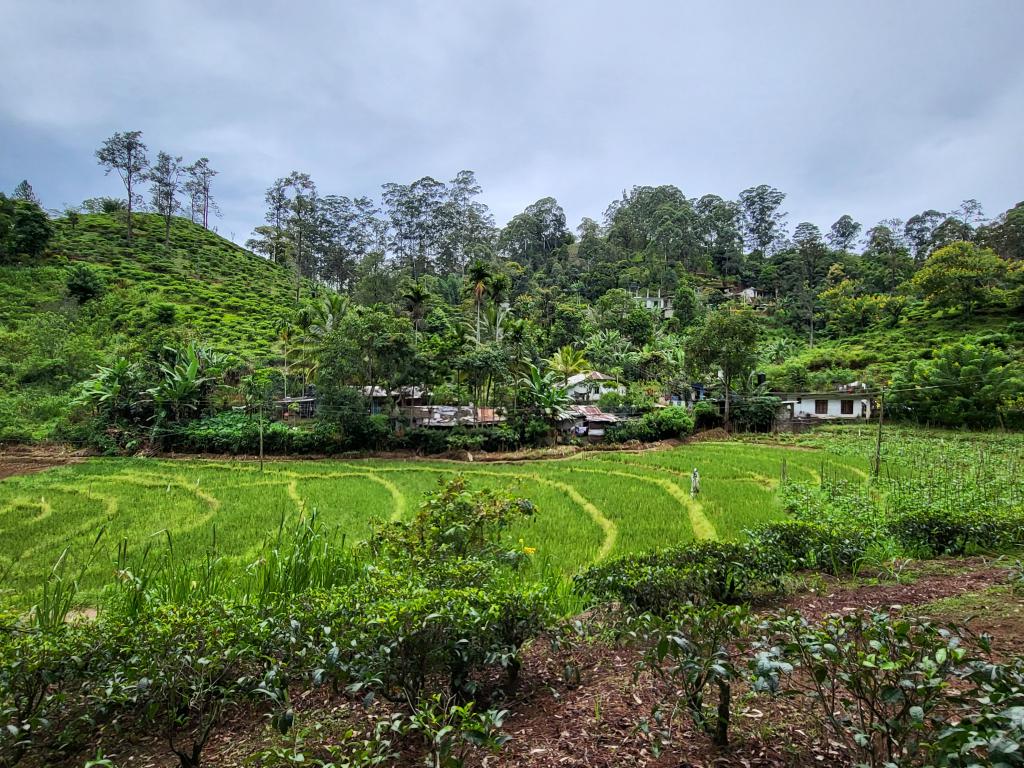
[200,286]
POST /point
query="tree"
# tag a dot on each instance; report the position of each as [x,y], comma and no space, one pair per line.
[25,192]
[477,277]
[197,187]
[725,340]
[762,218]
[165,184]
[125,154]
[920,232]
[567,362]
[1006,235]
[962,275]
[973,385]
[542,395]
[843,233]
[25,229]
[416,300]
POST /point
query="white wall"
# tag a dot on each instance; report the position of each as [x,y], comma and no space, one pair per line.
[805,408]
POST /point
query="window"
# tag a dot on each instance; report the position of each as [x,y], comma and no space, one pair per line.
[821,407]
[846,407]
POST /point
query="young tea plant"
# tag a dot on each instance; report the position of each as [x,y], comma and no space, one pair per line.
[695,651]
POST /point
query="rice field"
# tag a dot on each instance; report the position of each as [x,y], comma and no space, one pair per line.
[590,507]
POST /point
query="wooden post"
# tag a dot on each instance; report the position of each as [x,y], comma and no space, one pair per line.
[878,441]
[261,436]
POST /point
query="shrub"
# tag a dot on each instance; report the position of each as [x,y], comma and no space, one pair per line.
[702,571]
[85,283]
[935,531]
[667,423]
[707,416]
[694,650]
[812,546]
[879,682]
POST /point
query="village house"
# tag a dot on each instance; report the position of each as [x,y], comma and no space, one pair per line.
[587,422]
[448,416]
[588,387]
[662,305]
[824,405]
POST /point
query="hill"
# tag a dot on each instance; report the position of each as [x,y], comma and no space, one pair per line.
[201,286]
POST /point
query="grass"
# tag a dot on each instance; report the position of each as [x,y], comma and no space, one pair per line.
[591,507]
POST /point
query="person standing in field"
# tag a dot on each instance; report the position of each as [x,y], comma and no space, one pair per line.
[694,483]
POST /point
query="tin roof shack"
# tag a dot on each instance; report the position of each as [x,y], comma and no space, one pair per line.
[448,416]
[299,407]
[587,421]
[588,387]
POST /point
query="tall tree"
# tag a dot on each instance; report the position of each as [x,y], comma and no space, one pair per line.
[919,232]
[165,184]
[725,341]
[198,188]
[762,218]
[25,192]
[843,233]
[125,154]
[477,277]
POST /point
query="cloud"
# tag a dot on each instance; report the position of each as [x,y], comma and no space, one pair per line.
[875,109]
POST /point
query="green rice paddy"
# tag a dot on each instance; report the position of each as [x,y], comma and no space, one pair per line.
[590,507]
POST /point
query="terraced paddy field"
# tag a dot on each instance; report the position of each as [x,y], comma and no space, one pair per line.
[590,507]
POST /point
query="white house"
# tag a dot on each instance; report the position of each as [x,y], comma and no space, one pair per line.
[826,405]
[588,387]
[656,303]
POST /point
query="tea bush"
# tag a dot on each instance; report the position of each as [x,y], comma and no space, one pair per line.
[701,571]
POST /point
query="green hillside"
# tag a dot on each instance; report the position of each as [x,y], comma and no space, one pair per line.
[201,287]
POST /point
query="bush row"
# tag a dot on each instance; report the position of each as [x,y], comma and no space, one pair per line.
[731,572]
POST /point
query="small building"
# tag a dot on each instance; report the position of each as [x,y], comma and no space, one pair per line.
[587,421]
[588,387]
[411,395]
[380,398]
[825,405]
[301,407]
[448,416]
[654,302]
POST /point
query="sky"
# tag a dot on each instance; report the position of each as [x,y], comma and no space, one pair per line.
[876,108]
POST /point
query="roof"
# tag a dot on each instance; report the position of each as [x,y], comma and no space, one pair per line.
[377,392]
[579,378]
[825,395]
[288,400]
[451,415]
[591,413]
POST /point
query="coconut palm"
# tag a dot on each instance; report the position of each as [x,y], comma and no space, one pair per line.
[478,276]
[567,362]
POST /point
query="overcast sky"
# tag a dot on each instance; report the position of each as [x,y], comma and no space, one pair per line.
[876,109]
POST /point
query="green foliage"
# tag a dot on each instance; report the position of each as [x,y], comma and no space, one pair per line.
[663,580]
[706,415]
[964,276]
[878,681]
[672,423]
[454,522]
[25,229]
[85,283]
[694,650]
[971,385]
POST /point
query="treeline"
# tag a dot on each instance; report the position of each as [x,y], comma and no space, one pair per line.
[652,238]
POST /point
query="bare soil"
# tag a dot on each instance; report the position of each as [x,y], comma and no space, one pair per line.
[582,706]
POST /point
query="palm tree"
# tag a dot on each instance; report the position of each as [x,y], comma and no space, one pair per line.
[416,299]
[478,275]
[568,362]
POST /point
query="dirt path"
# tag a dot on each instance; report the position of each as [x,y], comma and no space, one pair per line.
[28,460]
